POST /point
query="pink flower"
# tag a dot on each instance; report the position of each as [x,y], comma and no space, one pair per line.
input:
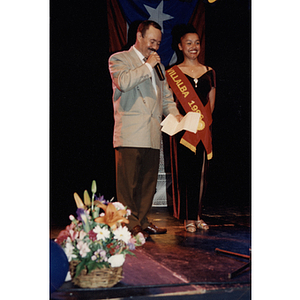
[139,239]
[73,235]
[64,234]
[92,235]
[84,248]
[132,240]
[82,234]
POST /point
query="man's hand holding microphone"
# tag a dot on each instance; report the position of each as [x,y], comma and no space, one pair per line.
[154,61]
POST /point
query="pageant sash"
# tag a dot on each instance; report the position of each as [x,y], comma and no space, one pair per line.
[190,101]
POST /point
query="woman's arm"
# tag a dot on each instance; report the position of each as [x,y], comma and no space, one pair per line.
[212,98]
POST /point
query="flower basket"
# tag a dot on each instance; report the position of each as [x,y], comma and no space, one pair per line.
[97,242]
[98,278]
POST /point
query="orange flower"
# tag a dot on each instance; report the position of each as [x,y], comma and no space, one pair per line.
[112,215]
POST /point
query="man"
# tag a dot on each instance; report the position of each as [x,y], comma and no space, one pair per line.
[139,99]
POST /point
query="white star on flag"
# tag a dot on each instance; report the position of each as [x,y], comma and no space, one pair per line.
[167,13]
[157,14]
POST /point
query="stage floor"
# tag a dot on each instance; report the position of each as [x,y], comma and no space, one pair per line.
[181,265]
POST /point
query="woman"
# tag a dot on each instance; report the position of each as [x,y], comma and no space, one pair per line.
[194,88]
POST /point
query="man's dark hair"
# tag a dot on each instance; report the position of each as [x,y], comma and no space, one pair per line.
[144,26]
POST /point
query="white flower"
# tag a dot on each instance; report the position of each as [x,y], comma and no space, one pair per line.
[69,249]
[140,237]
[118,205]
[83,247]
[102,233]
[116,260]
[122,233]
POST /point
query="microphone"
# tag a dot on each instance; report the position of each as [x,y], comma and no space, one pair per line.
[159,72]
[158,69]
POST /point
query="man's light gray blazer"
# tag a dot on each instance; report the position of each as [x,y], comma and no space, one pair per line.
[137,109]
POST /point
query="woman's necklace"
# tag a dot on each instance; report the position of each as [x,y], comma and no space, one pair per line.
[196,81]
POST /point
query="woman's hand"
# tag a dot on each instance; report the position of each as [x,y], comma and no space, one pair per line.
[179,117]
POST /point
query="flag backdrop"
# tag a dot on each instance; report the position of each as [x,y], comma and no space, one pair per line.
[167,13]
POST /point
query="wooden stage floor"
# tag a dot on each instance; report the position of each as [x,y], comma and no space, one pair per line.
[181,265]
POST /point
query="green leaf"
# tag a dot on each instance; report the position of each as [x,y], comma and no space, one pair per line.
[91,265]
[86,198]
[79,268]
[125,251]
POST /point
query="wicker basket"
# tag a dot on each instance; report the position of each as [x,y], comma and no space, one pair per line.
[98,278]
